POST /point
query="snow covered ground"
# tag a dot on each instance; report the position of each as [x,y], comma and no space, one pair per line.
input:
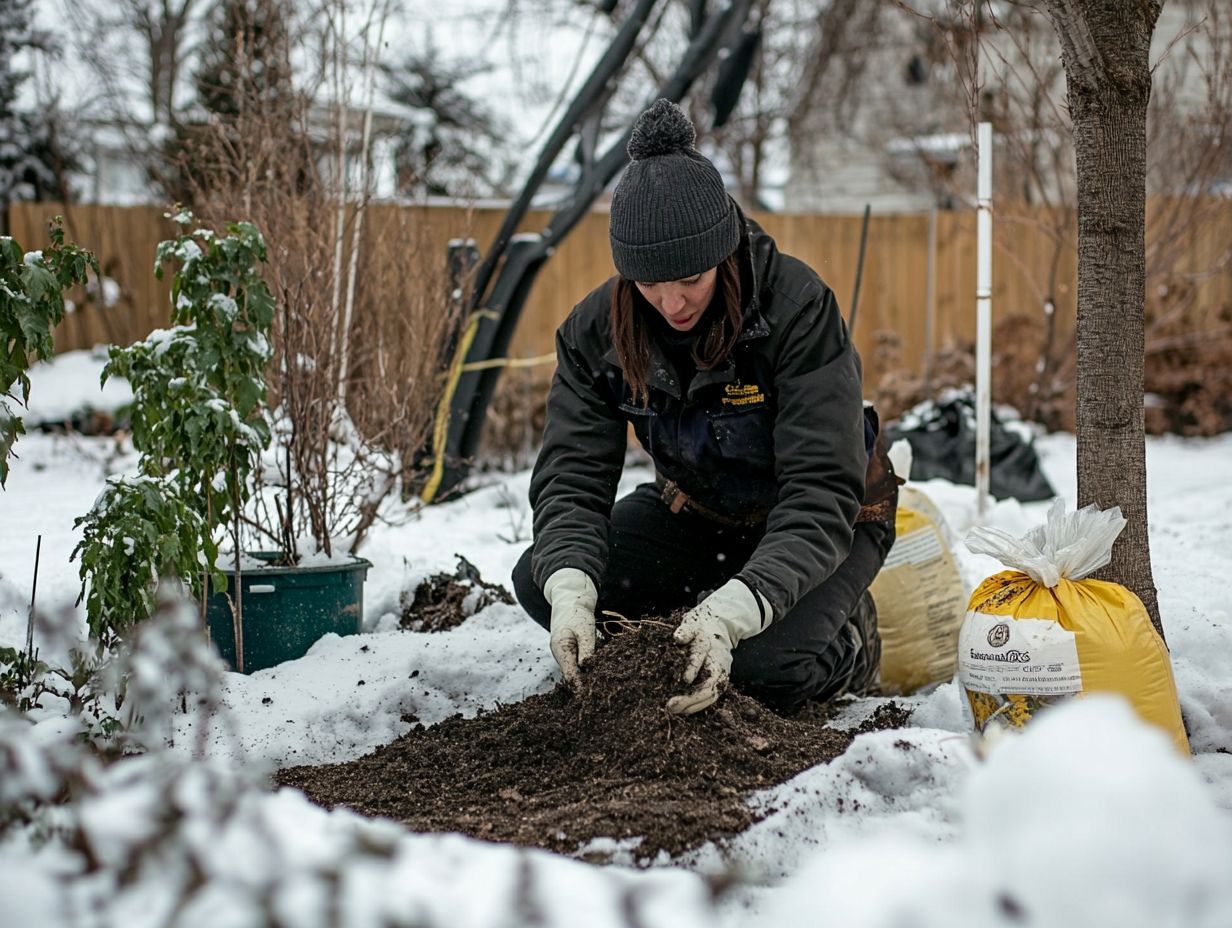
[1088,819]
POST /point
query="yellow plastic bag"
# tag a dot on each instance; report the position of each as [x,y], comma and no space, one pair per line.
[919,594]
[1042,632]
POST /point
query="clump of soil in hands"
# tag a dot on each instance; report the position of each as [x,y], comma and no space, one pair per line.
[557,770]
[444,601]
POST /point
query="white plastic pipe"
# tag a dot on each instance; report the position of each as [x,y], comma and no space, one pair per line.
[983,319]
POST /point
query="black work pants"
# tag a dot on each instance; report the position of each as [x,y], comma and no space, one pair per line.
[660,561]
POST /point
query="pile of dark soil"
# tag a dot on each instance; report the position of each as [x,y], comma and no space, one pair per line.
[557,770]
[444,601]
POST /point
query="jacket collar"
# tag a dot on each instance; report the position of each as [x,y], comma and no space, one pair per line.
[757,251]
[659,375]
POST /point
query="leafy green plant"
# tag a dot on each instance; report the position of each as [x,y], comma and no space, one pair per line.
[22,679]
[139,531]
[32,287]
[81,688]
[199,388]
[198,419]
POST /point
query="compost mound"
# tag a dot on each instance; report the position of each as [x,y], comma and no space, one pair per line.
[444,601]
[560,769]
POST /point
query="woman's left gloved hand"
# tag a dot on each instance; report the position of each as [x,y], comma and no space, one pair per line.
[572,596]
[712,630]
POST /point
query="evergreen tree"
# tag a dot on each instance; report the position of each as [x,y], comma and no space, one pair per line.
[244,93]
[33,159]
[455,146]
[244,62]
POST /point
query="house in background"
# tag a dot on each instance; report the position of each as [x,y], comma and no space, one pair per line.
[116,156]
[893,128]
[114,167]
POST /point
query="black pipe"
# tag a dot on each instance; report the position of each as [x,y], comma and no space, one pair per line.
[855,295]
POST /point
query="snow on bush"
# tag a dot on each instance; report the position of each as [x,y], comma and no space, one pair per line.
[170,837]
[157,840]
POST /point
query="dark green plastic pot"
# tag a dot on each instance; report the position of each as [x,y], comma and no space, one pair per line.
[288,609]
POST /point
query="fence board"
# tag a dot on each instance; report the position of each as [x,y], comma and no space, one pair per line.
[893,289]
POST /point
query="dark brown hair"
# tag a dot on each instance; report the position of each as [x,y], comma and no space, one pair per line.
[631,329]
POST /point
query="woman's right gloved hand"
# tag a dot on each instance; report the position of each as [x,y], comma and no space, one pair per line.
[573,598]
[711,631]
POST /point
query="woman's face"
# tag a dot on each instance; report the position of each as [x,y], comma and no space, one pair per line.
[681,302]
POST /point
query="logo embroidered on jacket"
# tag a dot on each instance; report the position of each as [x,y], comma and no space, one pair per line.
[741,394]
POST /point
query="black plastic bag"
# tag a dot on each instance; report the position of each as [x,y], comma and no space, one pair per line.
[942,438]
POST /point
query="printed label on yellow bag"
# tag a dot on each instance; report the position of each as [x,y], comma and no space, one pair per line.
[1010,667]
[920,605]
[935,587]
[913,548]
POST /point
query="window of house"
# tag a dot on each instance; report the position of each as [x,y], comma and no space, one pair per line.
[916,72]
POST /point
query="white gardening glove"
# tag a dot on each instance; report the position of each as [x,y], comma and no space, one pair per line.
[573,596]
[712,630]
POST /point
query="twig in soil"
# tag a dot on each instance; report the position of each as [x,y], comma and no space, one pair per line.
[670,718]
[629,625]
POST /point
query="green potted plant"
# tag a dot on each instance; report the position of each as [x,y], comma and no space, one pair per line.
[201,424]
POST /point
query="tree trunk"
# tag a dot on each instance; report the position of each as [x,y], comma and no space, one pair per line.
[1106,52]
[162,27]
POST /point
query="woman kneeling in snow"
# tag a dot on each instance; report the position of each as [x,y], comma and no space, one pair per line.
[733,364]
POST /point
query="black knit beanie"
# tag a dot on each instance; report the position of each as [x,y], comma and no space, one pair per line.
[671,217]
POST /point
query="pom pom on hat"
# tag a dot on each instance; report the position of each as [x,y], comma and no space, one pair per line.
[671,216]
[664,129]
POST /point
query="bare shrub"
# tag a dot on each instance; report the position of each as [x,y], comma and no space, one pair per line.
[900,388]
[355,376]
[516,416]
[1188,342]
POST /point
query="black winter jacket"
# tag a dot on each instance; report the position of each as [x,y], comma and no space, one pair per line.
[779,429]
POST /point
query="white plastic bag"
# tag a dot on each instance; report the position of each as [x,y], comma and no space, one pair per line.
[911,497]
[1069,546]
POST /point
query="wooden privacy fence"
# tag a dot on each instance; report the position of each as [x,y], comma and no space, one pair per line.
[895,289]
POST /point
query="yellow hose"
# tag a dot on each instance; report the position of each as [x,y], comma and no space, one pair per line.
[440,429]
